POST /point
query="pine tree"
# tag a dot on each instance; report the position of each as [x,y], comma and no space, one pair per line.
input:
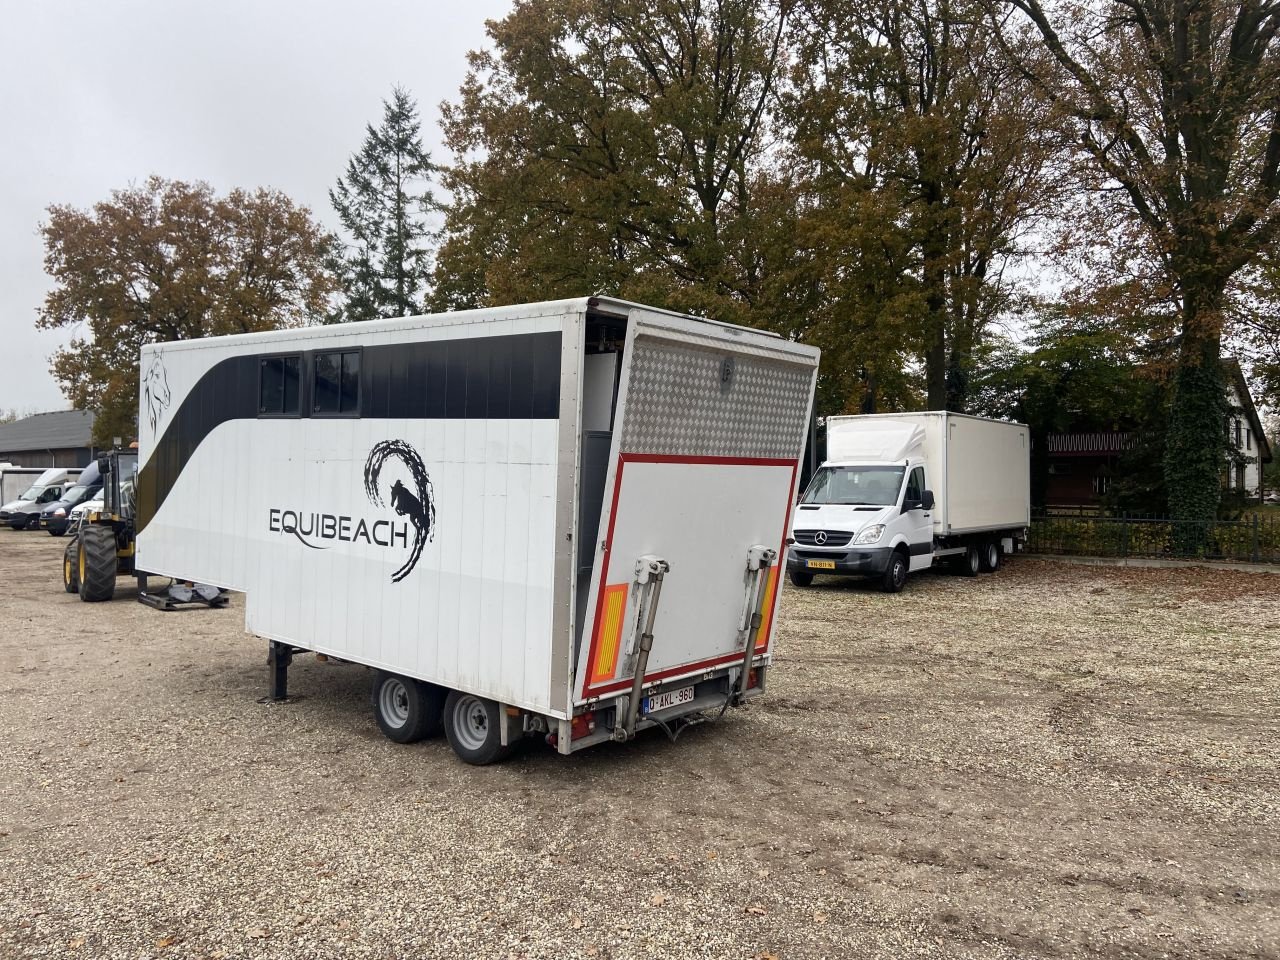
[383,202]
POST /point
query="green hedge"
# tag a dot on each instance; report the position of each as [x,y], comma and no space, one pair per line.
[1119,537]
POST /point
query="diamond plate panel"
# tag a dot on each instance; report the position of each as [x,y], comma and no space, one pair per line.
[677,404]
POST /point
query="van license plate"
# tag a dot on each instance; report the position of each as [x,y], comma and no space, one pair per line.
[820,564]
[668,698]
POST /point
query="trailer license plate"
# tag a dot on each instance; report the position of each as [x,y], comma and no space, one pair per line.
[669,698]
[820,564]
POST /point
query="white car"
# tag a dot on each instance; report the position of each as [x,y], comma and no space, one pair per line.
[78,511]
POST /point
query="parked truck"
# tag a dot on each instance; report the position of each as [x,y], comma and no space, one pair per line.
[900,492]
[562,520]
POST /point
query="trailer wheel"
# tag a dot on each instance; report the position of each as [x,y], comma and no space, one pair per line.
[472,725]
[407,710]
[990,556]
[71,567]
[969,562]
[801,578]
[97,563]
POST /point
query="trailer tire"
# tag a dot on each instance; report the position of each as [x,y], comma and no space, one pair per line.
[70,567]
[969,563]
[895,573]
[474,728]
[407,710]
[991,556]
[97,563]
[800,578]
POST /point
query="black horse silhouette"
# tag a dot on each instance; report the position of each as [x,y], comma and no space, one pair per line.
[419,509]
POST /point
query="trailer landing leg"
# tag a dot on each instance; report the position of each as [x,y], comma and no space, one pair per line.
[279,656]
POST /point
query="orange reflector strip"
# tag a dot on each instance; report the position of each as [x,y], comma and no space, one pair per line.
[608,639]
[766,611]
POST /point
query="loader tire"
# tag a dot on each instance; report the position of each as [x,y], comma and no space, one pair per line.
[97,563]
[71,567]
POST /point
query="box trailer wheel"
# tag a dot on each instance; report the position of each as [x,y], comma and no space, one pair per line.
[96,566]
[70,567]
[407,710]
[969,563]
[474,728]
[991,556]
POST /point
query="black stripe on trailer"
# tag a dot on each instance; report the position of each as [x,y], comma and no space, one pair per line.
[510,377]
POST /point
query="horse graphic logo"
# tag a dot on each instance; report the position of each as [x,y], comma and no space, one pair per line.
[417,505]
[155,391]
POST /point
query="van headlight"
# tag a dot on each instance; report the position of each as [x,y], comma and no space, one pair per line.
[871,534]
[60,512]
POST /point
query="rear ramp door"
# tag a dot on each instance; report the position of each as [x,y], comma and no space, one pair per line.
[706,449]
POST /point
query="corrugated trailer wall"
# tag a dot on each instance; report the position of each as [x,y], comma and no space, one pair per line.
[381,537]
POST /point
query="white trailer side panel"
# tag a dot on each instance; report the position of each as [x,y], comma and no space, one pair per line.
[988,475]
[273,507]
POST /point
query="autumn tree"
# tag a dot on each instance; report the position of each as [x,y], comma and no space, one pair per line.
[1173,105]
[614,147]
[1255,325]
[383,201]
[171,261]
[926,161]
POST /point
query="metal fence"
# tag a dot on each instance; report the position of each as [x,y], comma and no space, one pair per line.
[1254,539]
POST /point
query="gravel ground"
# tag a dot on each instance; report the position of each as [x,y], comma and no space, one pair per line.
[1052,761]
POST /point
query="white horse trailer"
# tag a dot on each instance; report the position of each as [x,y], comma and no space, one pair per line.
[563,519]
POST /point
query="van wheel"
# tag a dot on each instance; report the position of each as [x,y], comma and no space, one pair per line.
[969,563]
[990,557]
[895,574]
[473,727]
[96,563]
[71,567]
[801,578]
[407,710]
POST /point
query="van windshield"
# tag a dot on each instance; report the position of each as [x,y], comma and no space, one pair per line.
[33,493]
[80,492]
[862,486]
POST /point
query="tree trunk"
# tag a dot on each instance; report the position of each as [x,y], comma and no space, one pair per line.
[933,276]
[1195,448]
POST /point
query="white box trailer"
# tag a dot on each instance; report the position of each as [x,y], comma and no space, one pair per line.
[899,491]
[563,519]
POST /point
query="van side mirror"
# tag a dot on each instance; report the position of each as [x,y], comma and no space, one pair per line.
[926,500]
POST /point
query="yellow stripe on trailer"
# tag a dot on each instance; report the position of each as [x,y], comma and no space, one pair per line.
[608,641]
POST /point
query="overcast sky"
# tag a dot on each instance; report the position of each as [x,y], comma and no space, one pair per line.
[99,94]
